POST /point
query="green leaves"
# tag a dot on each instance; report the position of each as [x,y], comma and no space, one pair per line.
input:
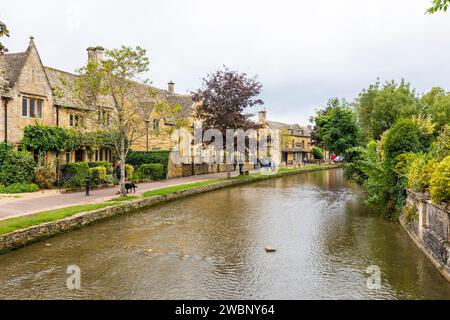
[438,5]
[4,32]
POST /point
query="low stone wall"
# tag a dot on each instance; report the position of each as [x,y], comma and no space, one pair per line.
[428,225]
[23,237]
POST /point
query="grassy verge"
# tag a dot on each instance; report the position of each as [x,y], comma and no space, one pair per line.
[164,191]
[13,224]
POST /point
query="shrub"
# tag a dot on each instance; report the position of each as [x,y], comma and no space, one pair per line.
[441,148]
[15,167]
[129,171]
[139,158]
[403,137]
[154,171]
[411,214]
[106,164]
[110,179]
[317,153]
[419,173]
[97,175]
[74,174]
[440,182]
[19,188]
[45,176]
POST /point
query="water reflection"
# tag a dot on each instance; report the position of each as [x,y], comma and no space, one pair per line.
[211,246]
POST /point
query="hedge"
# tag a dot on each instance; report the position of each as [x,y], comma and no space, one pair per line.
[154,171]
[137,159]
[97,175]
[19,188]
[15,167]
[74,174]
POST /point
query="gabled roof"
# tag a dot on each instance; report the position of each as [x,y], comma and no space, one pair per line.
[14,63]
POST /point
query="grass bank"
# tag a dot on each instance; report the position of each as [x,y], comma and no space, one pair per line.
[23,222]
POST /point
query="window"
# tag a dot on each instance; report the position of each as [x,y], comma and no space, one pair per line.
[156,124]
[75,120]
[31,107]
[67,157]
[96,155]
[24,107]
[39,108]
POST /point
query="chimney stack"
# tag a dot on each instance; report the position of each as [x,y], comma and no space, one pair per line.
[171,87]
[95,54]
[262,115]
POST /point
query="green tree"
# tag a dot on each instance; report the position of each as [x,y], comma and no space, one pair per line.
[380,106]
[117,79]
[438,5]
[4,32]
[336,127]
[437,103]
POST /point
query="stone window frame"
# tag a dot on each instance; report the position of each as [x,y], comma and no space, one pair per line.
[38,112]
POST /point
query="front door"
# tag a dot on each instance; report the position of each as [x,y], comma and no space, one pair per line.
[78,155]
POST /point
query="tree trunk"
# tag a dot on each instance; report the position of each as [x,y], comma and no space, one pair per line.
[122,166]
[228,170]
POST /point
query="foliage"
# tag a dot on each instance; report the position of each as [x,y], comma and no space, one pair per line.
[355,158]
[438,5]
[97,175]
[317,153]
[107,165]
[129,169]
[403,137]
[74,174]
[380,106]
[4,32]
[45,176]
[15,167]
[420,172]
[223,99]
[137,158]
[19,188]
[441,147]
[167,190]
[154,171]
[336,126]
[49,138]
[440,182]
[437,104]
[411,214]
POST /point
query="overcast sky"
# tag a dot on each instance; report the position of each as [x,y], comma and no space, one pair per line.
[304,52]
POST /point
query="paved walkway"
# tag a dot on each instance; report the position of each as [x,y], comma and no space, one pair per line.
[52,199]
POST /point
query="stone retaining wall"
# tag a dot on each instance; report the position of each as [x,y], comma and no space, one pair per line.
[23,237]
[429,229]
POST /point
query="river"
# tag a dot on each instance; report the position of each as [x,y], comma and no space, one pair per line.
[211,246]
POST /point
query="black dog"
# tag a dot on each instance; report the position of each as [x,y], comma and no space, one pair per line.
[130,186]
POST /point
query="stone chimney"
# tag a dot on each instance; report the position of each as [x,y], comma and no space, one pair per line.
[95,54]
[171,87]
[262,115]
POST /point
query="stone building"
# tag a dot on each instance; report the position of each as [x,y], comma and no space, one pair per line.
[295,141]
[34,93]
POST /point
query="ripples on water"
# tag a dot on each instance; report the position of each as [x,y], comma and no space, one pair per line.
[211,246]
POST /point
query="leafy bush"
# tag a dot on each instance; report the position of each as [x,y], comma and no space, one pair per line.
[19,188]
[139,158]
[74,174]
[440,181]
[106,164]
[317,153]
[129,171]
[97,175]
[441,148]
[154,171]
[355,158]
[403,137]
[420,172]
[411,214]
[15,167]
[45,176]
[110,179]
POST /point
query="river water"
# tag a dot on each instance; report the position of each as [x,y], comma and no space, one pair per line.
[211,246]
